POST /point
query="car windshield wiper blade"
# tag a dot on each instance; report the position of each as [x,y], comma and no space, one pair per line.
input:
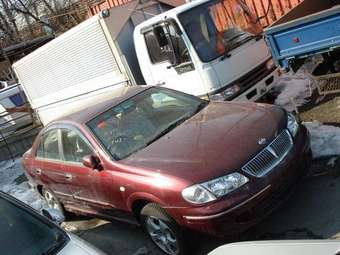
[169,128]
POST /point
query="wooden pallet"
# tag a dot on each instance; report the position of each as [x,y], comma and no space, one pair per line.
[328,84]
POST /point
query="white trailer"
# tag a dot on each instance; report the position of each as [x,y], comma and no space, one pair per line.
[73,71]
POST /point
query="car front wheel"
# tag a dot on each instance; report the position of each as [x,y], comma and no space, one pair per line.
[162,229]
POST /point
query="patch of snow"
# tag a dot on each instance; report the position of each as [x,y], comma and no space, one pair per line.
[9,172]
[294,89]
[325,139]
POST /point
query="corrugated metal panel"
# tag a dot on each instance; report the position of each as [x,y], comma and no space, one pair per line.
[276,8]
[73,58]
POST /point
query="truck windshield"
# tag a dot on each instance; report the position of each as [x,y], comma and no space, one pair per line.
[216,27]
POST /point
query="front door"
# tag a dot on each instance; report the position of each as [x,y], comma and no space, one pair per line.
[86,186]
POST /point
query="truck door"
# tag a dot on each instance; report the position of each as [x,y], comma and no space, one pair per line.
[171,64]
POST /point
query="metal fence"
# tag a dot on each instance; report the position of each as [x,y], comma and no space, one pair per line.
[18,125]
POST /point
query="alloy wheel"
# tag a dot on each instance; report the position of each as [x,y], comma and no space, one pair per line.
[52,202]
[162,235]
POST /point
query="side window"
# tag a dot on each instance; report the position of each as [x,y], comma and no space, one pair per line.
[74,146]
[40,150]
[48,147]
[159,48]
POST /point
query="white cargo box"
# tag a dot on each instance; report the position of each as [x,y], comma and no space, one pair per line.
[73,71]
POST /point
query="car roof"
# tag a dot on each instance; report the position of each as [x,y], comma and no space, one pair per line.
[84,115]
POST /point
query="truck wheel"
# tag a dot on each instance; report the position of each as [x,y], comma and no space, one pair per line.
[52,201]
[162,229]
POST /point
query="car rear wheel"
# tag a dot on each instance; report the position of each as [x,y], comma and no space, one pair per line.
[52,201]
[162,229]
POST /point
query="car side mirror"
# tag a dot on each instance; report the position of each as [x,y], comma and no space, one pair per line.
[54,215]
[91,161]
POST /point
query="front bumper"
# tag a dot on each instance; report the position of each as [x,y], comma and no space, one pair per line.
[235,214]
[260,88]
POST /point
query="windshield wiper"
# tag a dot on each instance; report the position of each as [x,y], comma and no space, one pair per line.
[232,46]
[169,128]
[55,245]
[235,37]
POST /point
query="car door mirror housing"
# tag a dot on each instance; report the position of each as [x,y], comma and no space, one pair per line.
[91,161]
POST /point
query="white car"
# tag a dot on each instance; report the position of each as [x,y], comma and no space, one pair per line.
[298,247]
[24,231]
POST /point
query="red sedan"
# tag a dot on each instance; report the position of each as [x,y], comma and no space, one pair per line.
[171,161]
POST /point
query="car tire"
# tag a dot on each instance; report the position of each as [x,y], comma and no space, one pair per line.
[52,201]
[164,232]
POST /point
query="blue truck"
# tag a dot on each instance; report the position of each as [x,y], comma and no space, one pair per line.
[312,27]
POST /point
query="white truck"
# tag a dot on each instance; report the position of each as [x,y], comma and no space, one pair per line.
[211,49]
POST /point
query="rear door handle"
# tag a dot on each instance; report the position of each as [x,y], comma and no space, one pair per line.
[68,177]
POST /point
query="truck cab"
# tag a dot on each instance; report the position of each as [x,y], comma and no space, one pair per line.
[212,49]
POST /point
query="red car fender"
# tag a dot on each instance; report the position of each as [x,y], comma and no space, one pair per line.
[143,196]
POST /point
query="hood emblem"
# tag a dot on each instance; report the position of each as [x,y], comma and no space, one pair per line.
[262,141]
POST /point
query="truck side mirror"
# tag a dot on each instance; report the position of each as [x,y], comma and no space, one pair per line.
[91,161]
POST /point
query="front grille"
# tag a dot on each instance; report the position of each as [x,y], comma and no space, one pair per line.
[270,156]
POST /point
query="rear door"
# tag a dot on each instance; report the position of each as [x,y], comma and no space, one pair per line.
[50,158]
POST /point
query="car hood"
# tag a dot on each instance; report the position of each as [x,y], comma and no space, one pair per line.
[78,246]
[217,140]
[280,248]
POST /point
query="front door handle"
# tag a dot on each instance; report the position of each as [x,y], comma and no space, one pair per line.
[38,171]
[68,177]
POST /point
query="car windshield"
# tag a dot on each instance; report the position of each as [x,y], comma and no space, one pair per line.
[142,119]
[216,27]
[23,233]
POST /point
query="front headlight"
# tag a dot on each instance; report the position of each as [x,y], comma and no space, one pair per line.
[292,124]
[226,94]
[197,195]
[209,191]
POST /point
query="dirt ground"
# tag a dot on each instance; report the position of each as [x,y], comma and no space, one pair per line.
[326,111]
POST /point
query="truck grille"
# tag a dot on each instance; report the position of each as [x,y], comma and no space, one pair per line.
[270,156]
[254,76]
